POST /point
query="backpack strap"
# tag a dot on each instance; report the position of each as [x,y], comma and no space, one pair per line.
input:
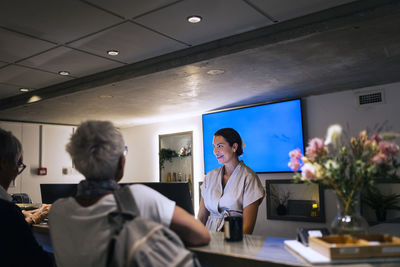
[126,210]
[125,202]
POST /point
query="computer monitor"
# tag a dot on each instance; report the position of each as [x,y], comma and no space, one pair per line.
[178,192]
[51,192]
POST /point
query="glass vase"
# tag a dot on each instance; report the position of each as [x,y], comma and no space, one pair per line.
[348,220]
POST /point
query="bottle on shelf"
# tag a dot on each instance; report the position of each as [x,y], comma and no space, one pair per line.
[169,177]
[174,177]
[190,182]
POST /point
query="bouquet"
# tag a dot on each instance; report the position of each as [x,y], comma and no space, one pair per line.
[347,168]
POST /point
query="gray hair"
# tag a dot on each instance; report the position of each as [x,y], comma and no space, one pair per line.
[95,149]
[10,147]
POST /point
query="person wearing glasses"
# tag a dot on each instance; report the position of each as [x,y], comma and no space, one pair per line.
[79,226]
[18,246]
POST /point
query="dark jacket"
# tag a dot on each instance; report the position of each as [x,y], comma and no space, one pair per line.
[18,246]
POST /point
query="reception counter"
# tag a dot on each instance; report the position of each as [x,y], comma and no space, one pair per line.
[262,251]
[253,251]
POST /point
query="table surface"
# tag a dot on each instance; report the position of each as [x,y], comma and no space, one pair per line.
[267,249]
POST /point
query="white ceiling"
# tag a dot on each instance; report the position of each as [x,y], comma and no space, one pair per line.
[268,50]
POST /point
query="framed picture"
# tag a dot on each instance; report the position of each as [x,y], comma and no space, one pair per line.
[290,201]
[382,205]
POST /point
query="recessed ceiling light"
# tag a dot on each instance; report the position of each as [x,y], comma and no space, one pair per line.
[64,73]
[194,19]
[106,96]
[34,98]
[113,52]
[188,94]
[24,89]
[215,72]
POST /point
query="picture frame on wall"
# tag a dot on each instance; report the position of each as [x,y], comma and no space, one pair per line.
[290,201]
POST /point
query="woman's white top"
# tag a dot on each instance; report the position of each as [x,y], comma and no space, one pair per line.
[242,189]
[80,235]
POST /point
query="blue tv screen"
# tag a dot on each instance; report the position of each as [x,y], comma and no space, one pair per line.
[269,132]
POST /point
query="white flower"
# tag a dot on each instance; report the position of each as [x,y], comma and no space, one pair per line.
[333,135]
[331,164]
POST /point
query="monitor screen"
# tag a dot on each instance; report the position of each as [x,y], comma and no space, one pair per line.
[178,192]
[51,192]
[269,132]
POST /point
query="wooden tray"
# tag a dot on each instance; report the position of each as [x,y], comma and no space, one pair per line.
[348,247]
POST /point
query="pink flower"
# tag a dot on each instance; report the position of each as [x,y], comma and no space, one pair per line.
[294,164]
[377,138]
[379,158]
[388,148]
[308,172]
[295,154]
[315,148]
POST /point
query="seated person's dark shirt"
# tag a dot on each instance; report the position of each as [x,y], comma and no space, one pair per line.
[18,246]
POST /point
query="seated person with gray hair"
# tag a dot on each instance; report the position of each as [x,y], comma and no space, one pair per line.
[18,246]
[79,226]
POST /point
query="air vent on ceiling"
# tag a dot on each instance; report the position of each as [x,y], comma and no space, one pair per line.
[370,98]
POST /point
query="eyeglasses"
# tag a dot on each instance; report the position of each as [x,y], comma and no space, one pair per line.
[21,167]
[125,150]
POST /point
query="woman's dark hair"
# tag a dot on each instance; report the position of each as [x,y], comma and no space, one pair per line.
[231,136]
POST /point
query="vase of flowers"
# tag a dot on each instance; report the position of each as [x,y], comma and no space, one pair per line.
[348,219]
[348,169]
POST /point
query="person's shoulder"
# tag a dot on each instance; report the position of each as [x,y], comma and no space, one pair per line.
[140,188]
[214,172]
[7,207]
[61,206]
[61,202]
[10,213]
[143,192]
[249,172]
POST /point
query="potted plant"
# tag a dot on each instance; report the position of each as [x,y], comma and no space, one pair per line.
[166,154]
[380,202]
[280,200]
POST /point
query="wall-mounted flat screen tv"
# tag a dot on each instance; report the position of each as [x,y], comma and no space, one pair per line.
[269,131]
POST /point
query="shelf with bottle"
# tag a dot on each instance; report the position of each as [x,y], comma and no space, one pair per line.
[179,178]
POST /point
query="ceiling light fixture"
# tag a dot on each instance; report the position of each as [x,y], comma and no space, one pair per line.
[64,73]
[113,52]
[215,72]
[194,19]
[24,90]
[34,98]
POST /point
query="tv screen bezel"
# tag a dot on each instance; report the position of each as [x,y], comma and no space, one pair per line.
[250,106]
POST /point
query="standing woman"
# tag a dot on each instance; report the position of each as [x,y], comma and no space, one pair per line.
[232,189]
